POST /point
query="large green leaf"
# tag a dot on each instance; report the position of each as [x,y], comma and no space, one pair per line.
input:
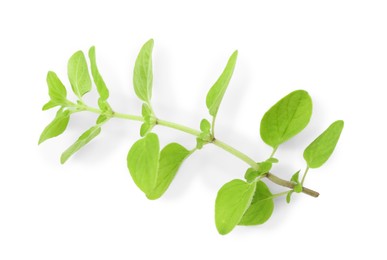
[98,80]
[143,74]
[78,74]
[57,126]
[286,118]
[143,161]
[232,201]
[216,93]
[84,139]
[261,207]
[171,157]
[56,89]
[319,151]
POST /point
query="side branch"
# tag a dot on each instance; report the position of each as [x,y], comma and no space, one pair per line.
[290,185]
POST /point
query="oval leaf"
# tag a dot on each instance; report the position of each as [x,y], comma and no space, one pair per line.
[216,93]
[232,201]
[171,158]
[143,160]
[286,118]
[84,139]
[56,89]
[319,151]
[98,80]
[261,207]
[143,74]
[78,74]
[56,127]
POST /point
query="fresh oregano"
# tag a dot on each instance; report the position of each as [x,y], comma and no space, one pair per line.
[238,202]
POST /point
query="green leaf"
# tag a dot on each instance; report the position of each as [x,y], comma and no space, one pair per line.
[286,118]
[319,151]
[143,161]
[171,158]
[145,129]
[272,160]
[84,139]
[56,89]
[261,207]
[50,104]
[251,174]
[199,143]
[205,126]
[104,105]
[143,74]
[78,74]
[98,80]
[216,93]
[289,196]
[57,126]
[295,177]
[231,203]
[264,167]
[102,119]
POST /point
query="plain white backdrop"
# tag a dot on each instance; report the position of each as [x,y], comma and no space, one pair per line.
[90,208]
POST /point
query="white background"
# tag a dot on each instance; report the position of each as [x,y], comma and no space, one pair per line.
[90,208]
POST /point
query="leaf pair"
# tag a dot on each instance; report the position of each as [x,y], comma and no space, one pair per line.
[152,170]
[242,203]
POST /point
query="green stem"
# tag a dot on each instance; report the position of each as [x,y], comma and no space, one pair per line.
[236,152]
[274,150]
[280,194]
[183,128]
[303,177]
[216,142]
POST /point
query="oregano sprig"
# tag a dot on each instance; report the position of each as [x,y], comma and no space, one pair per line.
[239,202]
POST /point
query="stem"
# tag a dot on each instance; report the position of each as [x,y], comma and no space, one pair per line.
[237,153]
[274,150]
[290,185]
[183,128]
[279,194]
[303,177]
[216,142]
[213,126]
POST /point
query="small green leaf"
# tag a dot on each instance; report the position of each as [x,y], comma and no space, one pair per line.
[101,119]
[50,104]
[298,188]
[289,196]
[216,93]
[143,161]
[231,203]
[295,177]
[171,158]
[286,118]
[143,74]
[57,126]
[145,129]
[199,143]
[319,151]
[98,80]
[205,126]
[78,74]
[261,207]
[56,89]
[251,174]
[264,167]
[272,160]
[104,105]
[84,139]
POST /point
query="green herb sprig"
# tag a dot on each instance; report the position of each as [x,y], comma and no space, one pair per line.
[238,202]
